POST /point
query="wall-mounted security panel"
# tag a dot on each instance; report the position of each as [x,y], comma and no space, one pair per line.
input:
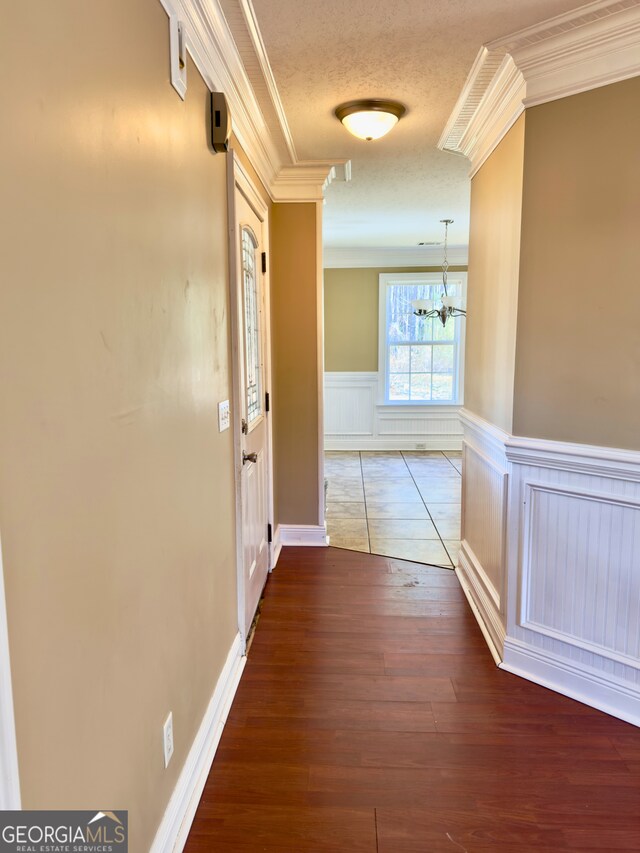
[220,122]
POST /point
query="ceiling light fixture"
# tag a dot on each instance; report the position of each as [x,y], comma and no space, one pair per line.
[450,306]
[370,119]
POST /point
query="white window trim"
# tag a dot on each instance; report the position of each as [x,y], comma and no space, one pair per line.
[387,279]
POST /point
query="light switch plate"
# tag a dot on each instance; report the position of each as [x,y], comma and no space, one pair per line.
[224,416]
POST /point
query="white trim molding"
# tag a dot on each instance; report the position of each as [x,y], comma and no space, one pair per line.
[549,561]
[276,547]
[305,535]
[227,49]
[377,257]
[482,561]
[355,420]
[490,103]
[474,593]
[577,681]
[588,47]
[9,774]
[173,831]
[434,279]
[258,54]
[574,569]
[581,458]
[320,369]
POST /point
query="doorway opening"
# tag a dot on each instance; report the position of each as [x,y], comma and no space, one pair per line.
[402,504]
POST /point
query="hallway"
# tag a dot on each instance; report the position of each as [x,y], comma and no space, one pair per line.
[370,717]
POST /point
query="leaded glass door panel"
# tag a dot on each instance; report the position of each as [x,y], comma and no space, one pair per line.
[254,476]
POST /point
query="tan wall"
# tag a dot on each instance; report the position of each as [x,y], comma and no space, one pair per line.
[492,287]
[578,362]
[351,299]
[295,323]
[116,489]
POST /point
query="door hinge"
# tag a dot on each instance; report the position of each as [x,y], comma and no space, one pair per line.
[264,262]
[267,402]
[269,533]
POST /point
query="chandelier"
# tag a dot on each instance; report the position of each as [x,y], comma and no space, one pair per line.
[449,306]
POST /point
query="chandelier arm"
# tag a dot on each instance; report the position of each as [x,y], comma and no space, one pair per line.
[433,313]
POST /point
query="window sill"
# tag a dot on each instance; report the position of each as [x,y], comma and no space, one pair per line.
[413,406]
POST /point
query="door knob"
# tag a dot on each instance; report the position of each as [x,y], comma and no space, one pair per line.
[249,457]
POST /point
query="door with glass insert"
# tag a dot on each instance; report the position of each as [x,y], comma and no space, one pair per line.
[255,468]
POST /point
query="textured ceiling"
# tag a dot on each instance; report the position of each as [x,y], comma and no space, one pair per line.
[419,52]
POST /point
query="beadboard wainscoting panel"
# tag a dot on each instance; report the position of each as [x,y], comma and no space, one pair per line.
[595,601]
[574,572]
[355,420]
[482,560]
[349,404]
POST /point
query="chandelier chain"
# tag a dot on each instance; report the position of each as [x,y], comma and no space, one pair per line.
[445,262]
[448,307]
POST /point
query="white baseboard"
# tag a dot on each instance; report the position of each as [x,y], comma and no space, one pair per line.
[576,681]
[469,574]
[9,775]
[276,548]
[310,536]
[174,829]
[416,442]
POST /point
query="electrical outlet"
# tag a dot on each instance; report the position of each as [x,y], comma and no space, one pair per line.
[421,446]
[167,739]
[224,416]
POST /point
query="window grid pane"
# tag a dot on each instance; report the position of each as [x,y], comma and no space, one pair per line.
[421,353]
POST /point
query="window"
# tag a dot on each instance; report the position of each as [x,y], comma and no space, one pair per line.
[420,359]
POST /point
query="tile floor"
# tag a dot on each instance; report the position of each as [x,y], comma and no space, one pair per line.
[403,504]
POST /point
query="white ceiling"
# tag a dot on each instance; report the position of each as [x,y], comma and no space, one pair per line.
[324,52]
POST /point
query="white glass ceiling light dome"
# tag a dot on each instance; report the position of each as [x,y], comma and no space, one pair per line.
[370,119]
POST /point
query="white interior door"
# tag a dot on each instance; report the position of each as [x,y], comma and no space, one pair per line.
[252,376]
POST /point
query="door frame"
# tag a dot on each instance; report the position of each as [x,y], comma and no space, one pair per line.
[9,773]
[239,179]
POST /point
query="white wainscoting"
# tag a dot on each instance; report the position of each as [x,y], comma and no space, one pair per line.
[354,420]
[550,562]
[482,559]
[574,572]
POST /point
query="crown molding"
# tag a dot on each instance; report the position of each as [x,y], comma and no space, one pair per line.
[211,46]
[258,117]
[592,46]
[260,51]
[374,257]
[308,180]
[303,182]
[497,111]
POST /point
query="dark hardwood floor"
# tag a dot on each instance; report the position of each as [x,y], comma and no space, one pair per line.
[371,717]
